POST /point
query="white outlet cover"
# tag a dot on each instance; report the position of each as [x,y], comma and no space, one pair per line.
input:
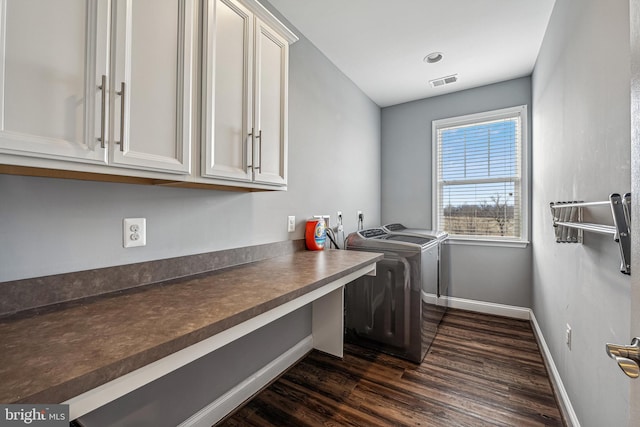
[134,232]
[291,223]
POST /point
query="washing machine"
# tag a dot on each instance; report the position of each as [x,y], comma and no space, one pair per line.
[441,291]
[387,311]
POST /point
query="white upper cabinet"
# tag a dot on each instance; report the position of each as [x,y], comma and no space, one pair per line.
[271,76]
[49,101]
[245,83]
[56,54]
[108,87]
[227,143]
[153,55]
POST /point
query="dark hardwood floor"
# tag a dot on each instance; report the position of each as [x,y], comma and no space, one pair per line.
[481,370]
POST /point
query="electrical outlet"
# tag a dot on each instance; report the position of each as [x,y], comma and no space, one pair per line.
[567,337]
[291,224]
[360,220]
[339,226]
[134,232]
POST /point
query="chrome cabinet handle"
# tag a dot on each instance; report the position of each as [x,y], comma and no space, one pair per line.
[103,111]
[259,167]
[122,103]
[627,357]
[253,149]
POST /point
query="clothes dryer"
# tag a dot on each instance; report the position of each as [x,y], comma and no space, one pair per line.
[387,311]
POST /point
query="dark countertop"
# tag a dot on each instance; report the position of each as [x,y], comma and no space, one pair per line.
[54,355]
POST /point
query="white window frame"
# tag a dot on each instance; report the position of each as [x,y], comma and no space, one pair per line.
[522,110]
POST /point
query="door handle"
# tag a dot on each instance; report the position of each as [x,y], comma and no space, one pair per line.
[627,357]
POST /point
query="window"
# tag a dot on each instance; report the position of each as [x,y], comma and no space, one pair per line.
[480,180]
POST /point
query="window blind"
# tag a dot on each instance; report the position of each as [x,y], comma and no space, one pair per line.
[479,191]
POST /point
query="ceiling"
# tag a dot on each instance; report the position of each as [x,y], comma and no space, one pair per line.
[380,44]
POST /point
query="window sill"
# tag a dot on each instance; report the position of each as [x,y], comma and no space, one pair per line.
[488,242]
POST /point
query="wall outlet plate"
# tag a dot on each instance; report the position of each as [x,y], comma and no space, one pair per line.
[134,232]
[291,223]
[568,336]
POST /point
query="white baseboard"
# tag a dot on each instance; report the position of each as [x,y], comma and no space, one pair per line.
[429,298]
[489,308]
[563,397]
[218,409]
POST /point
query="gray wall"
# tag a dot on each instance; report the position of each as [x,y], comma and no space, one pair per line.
[634,12]
[51,226]
[581,150]
[492,274]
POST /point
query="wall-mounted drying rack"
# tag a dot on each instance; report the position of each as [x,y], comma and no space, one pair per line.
[569,228]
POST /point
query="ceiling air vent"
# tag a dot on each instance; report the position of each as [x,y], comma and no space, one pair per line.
[442,81]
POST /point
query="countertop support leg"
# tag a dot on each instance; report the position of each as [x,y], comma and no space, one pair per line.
[327,323]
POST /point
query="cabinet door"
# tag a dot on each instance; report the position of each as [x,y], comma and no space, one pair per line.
[227,122]
[271,59]
[153,56]
[51,53]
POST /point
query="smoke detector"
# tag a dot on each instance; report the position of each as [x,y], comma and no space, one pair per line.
[443,81]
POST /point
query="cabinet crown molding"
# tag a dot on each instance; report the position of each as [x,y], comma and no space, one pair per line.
[268,18]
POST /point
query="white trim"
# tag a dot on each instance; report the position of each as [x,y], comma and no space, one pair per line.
[465,241]
[485,116]
[522,111]
[268,18]
[432,299]
[489,307]
[554,375]
[225,404]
